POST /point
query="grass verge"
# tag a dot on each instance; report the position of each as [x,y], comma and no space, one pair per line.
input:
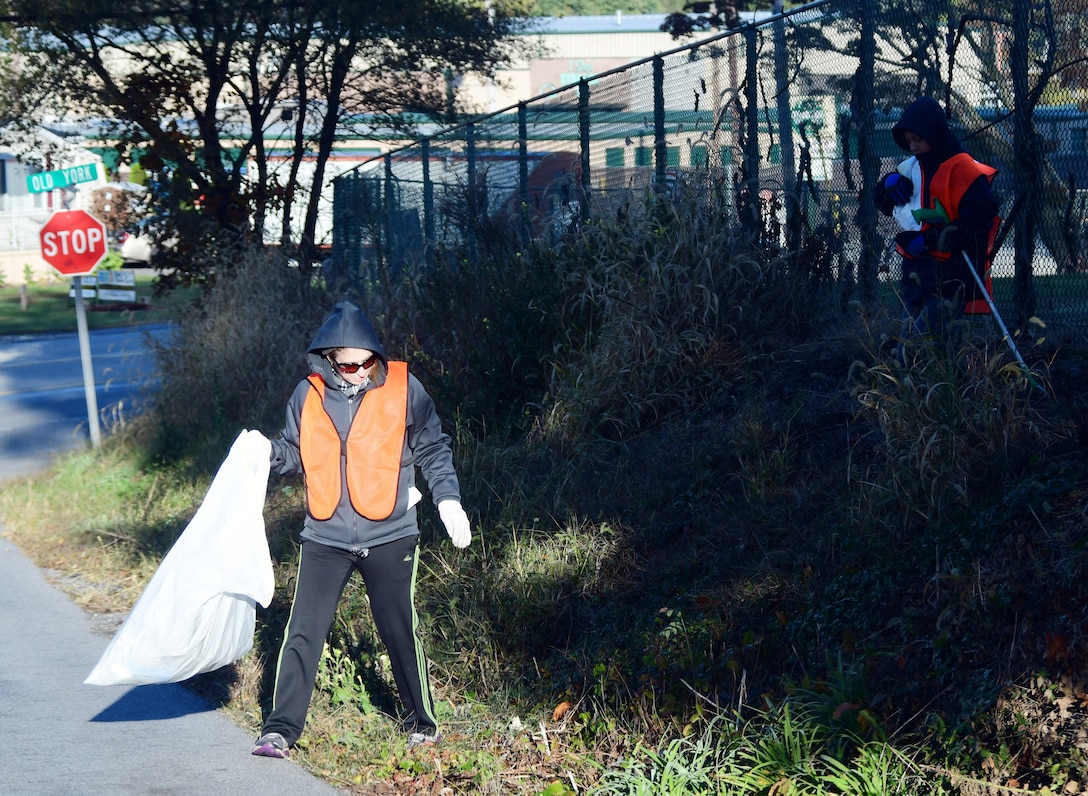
[50,309]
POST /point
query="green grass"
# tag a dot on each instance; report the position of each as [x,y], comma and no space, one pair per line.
[50,309]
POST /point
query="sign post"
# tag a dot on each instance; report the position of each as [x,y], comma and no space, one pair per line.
[74,243]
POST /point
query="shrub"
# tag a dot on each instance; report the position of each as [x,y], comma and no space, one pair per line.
[950,427]
[663,305]
[235,356]
[483,331]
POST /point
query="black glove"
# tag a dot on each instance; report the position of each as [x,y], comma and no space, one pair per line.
[912,244]
[897,188]
[943,238]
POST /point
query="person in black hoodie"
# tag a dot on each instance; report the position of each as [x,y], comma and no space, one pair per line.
[957,213]
[358,426]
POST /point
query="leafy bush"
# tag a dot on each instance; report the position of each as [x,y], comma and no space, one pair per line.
[786,747]
[483,332]
[235,356]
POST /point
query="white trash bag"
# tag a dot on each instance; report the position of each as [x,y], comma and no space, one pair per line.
[199,612]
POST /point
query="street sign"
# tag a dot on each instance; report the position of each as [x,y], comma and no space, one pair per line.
[116,286]
[62,178]
[73,242]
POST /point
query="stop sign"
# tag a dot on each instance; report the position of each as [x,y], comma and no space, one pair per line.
[73,242]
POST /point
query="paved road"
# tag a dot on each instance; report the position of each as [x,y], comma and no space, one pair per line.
[58,736]
[43,403]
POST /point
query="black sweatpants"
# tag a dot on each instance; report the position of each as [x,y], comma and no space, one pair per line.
[389,573]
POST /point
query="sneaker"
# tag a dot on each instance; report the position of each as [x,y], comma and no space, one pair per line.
[271,744]
[425,738]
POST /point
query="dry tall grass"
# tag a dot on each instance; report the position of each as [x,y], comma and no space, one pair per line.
[682,506]
[235,356]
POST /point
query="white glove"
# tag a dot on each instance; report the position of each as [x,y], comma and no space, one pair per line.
[456,522]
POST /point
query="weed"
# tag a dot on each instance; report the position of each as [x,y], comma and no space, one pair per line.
[950,428]
[338,676]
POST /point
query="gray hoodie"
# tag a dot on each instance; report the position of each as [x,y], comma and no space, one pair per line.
[425,444]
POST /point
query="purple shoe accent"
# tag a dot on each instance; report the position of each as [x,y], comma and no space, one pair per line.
[269,750]
[271,744]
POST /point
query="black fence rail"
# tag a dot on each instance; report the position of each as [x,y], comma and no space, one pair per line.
[793,112]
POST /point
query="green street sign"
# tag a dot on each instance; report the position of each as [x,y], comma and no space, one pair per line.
[62,178]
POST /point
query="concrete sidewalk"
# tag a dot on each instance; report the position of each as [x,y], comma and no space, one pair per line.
[58,736]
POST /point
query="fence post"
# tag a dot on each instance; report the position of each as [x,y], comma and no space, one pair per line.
[1025,163]
[583,136]
[428,193]
[387,217]
[473,204]
[785,126]
[868,161]
[751,122]
[523,173]
[661,155]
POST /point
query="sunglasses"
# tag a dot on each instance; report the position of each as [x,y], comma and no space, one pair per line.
[354,367]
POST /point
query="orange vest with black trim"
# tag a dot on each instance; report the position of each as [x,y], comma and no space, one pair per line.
[371,453]
[947,187]
[951,181]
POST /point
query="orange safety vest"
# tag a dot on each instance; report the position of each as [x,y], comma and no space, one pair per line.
[946,187]
[372,451]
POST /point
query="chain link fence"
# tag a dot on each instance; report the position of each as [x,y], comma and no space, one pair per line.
[794,114]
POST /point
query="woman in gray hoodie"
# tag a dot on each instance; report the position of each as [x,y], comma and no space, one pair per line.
[358,427]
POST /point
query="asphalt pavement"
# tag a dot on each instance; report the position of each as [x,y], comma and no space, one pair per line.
[43,397]
[59,736]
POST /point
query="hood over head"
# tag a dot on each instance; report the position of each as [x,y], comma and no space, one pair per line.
[924,117]
[346,327]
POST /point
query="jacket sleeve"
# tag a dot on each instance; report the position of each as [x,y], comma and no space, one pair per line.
[430,446]
[977,210]
[286,458]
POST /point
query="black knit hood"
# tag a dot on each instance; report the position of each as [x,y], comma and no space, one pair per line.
[924,117]
[346,327]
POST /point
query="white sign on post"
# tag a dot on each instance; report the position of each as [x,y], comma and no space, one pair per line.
[116,286]
[87,288]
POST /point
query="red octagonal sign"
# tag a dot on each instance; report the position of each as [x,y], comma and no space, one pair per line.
[73,242]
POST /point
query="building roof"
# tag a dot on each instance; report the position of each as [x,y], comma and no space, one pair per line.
[616,23]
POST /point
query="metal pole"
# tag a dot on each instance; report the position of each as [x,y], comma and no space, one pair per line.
[868,158]
[85,358]
[661,152]
[473,194]
[428,193]
[1025,166]
[1000,321]
[583,136]
[523,174]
